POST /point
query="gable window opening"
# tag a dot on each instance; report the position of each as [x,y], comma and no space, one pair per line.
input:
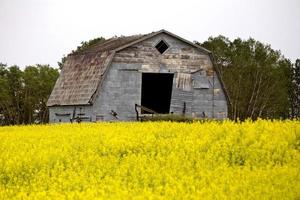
[161,46]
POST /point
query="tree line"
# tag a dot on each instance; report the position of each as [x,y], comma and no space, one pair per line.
[24,93]
[260,81]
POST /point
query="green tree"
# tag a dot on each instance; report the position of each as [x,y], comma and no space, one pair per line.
[38,83]
[15,86]
[23,94]
[256,77]
[295,90]
[5,99]
[31,82]
[48,77]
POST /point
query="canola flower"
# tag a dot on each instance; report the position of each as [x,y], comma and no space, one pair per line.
[153,160]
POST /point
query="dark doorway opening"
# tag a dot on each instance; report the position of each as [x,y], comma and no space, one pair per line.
[157,91]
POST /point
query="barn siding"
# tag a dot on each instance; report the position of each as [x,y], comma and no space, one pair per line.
[120,91]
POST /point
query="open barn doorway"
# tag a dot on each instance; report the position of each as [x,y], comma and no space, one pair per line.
[157,91]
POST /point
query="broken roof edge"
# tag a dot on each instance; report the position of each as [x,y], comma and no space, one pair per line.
[150,35]
[99,86]
[216,68]
[92,98]
[143,37]
[57,105]
[89,50]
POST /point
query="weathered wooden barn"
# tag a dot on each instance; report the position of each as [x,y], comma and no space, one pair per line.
[123,77]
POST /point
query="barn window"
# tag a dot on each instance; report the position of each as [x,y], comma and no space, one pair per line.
[161,46]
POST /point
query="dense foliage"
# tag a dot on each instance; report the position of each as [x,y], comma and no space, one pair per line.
[295,90]
[257,77]
[151,160]
[23,94]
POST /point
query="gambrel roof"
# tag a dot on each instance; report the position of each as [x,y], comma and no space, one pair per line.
[83,72]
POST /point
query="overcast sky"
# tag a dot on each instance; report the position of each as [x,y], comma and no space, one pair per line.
[42,31]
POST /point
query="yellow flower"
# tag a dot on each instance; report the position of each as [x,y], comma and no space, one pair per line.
[152,160]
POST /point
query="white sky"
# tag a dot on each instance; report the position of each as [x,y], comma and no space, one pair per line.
[41,31]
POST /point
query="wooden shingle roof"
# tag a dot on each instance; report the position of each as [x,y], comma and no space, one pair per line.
[83,71]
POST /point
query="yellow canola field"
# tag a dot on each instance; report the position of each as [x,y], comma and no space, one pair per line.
[152,160]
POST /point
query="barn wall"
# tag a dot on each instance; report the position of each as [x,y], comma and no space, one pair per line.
[121,88]
[65,113]
[120,91]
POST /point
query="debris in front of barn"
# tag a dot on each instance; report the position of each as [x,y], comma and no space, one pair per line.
[176,118]
[113,113]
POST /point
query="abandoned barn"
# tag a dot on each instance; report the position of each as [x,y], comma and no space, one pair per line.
[126,77]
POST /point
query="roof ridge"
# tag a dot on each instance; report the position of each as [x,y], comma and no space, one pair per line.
[110,44]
